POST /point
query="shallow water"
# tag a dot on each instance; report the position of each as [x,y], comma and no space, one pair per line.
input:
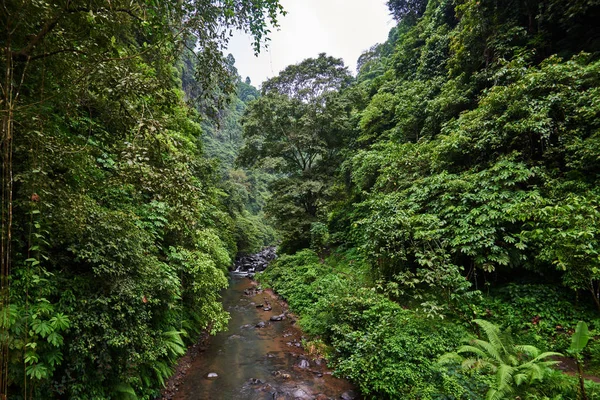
[258,363]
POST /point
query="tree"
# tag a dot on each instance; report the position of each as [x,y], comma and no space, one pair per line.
[407,9]
[297,129]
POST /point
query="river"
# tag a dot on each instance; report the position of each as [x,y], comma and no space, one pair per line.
[253,362]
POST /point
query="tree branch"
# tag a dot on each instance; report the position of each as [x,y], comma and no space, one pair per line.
[48,26]
[21,57]
[24,53]
[103,9]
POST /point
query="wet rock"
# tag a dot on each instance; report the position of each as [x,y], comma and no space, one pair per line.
[249,264]
[259,305]
[261,324]
[255,381]
[301,395]
[212,375]
[281,374]
[278,317]
[350,395]
[267,308]
[303,364]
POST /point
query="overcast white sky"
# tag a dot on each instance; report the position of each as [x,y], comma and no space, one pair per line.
[340,28]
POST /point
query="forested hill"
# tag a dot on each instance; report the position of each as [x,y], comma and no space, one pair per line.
[115,236]
[246,190]
[450,189]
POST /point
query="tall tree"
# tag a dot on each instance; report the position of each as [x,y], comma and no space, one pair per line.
[296,129]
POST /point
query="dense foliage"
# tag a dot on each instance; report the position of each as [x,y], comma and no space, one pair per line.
[392,351]
[247,190]
[447,192]
[467,180]
[115,239]
[297,129]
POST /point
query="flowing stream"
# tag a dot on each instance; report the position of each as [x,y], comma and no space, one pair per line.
[259,362]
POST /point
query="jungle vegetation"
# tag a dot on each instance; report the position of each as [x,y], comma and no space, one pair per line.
[437,213]
[450,194]
[116,236]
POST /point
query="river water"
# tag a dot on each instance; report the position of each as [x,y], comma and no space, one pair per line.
[255,363]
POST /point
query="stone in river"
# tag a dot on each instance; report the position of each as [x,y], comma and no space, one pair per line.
[277,317]
[212,375]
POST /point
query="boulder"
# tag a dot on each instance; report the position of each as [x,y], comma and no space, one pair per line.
[279,317]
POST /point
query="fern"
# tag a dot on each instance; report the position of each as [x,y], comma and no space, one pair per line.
[174,343]
[163,371]
[500,356]
[124,391]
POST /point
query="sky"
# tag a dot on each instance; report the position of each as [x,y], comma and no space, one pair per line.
[340,28]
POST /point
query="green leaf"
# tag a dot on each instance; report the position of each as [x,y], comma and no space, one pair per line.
[60,322]
[42,328]
[580,338]
[37,371]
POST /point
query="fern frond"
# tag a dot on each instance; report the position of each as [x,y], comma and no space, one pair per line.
[124,391]
[472,349]
[174,343]
[493,334]
[546,355]
[449,358]
[531,351]
[491,350]
[163,371]
[504,377]
[520,378]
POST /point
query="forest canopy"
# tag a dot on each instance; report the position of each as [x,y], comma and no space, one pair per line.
[463,188]
[115,238]
[448,192]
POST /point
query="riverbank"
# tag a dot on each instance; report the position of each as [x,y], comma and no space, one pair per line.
[390,346]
